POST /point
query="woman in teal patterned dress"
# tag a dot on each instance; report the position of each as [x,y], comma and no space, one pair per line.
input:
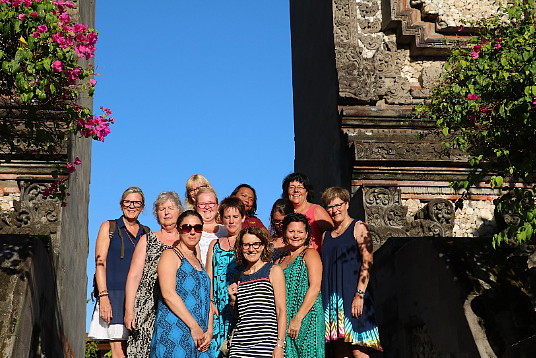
[222,269]
[303,276]
[351,328]
[183,326]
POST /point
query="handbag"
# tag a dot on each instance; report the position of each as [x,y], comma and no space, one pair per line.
[225,347]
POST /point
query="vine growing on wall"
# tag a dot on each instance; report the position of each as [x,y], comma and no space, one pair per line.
[44,70]
[486,105]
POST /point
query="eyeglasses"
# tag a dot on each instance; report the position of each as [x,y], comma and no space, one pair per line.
[186,228]
[193,190]
[333,207]
[206,205]
[296,187]
[255,245]
[277,222]
[135,203]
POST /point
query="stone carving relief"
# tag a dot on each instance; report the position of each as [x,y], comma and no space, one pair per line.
[33,214]
[403,151]
[386,216]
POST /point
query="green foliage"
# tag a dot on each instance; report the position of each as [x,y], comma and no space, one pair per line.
[486,106]
[91,349]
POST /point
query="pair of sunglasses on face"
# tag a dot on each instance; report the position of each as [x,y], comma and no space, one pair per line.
[186,228]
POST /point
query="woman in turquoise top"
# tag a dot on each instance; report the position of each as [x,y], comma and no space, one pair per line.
[183,326]
[303,276]
[222,269]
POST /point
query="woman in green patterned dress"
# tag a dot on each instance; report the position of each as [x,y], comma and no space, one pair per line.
[303,276]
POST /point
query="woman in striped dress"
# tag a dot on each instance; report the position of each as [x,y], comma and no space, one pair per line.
[259,295]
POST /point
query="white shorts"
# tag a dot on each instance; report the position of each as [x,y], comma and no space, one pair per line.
[99,329]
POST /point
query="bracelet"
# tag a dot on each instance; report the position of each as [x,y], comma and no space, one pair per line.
[282,340]
[360,292]
[103,293]
[279,345]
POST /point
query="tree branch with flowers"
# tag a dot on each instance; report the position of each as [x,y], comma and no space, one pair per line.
[44,70]
[486,105]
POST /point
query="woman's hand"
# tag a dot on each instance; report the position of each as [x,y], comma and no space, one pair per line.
[233,291]
[198,336]
[105,309]
[357,305]
[294,327]
[130,320]
[278,352]
[207,339]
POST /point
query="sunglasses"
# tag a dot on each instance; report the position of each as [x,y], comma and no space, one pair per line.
[186,228]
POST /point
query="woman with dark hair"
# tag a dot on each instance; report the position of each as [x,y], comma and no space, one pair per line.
[303,277]
[259,295]
[351,328]
[183,326]
[222,268]
[114,248]
[298,189]
[248,195]
[141,290]
[280,209]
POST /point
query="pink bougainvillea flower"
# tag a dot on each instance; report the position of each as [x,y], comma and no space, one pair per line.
[497,46]
[475,54]
[460,28]
[471,97]
[33,14]
[27,3]
[484,41]
[36,34]
[65,18]
[15,2]
[92,82]
[483,110]
[77,161]
[477,48]
[80,28]
[22,17]
[534,102]
[70,167]
[57,66]
[42,28]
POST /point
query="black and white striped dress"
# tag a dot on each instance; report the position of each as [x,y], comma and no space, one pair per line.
[256,329]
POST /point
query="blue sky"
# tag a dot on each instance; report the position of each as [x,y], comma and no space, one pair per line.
[195,87]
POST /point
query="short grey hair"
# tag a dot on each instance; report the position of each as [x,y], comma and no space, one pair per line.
[165,196]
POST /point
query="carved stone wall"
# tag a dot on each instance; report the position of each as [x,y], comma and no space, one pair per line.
[24,212]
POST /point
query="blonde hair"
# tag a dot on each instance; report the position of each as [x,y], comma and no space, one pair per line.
[196,178]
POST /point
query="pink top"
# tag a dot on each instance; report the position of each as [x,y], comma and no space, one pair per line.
[316,235]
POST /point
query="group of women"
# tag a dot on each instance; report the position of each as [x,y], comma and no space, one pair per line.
[214,282]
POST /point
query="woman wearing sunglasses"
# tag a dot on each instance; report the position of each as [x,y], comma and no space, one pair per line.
[222,268]
[183,327]
[141,293]
[113,252]
[259,295]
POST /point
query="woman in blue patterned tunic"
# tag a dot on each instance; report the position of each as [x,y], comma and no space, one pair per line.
[222,269]
[260,298]
[183,326]
[351,328]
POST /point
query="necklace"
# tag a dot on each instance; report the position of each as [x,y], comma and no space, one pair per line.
[342,227]
[191,256]
[231,248]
